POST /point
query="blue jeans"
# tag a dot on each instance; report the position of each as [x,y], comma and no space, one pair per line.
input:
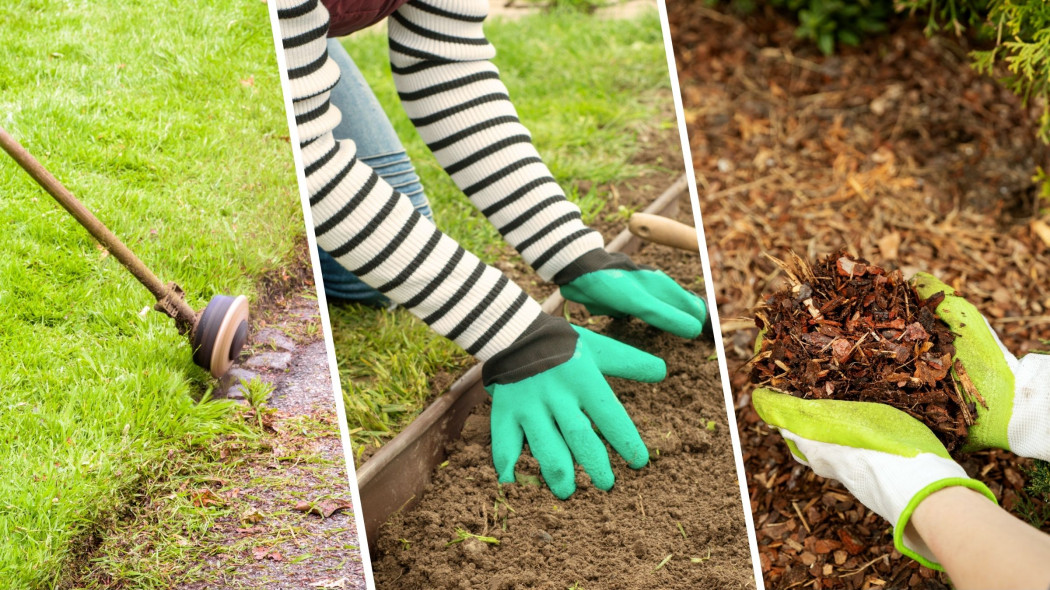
[378,146]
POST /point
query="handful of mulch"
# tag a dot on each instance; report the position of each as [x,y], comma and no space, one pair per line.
[848,330]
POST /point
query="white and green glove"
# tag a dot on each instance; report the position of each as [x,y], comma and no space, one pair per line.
[1017,391]
[890,461]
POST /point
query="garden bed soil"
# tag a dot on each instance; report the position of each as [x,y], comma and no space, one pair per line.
[677,523]
[898,150]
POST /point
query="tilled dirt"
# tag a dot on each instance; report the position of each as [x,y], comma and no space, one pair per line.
[896,150]
[677,523]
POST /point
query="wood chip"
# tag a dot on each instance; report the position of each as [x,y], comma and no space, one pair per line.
[1042,231]
[967,384]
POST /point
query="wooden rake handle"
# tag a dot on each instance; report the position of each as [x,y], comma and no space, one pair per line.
[664,231]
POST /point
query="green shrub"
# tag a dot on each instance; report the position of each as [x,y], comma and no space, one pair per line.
[1022,44]
[1039,480]
[1034,505]
[1021,33]
[828,23]
[942,15]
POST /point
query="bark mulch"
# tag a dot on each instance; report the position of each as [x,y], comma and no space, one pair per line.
[900,153]
[846,329]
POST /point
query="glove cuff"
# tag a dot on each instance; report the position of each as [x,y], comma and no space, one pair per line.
[545,344]
[911,545]
[1029,428]
[597,259]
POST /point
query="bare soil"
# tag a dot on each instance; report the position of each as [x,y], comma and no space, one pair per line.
[898,151]
[677,523]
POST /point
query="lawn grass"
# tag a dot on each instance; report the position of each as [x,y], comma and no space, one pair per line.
[587,88]
[166,119]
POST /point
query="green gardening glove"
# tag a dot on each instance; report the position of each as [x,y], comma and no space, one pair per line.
[611,284]
[890,461]
[548,387]
[1017,392]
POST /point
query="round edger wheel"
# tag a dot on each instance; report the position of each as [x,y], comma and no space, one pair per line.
[221,333]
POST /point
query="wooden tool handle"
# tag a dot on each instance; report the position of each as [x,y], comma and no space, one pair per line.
[665,231]
[169,300]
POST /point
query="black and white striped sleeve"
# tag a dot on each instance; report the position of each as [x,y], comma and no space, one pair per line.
[454,96]
[373,230]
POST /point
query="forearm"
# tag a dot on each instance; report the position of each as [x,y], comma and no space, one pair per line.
[372,230]
[452,92]
[979,544]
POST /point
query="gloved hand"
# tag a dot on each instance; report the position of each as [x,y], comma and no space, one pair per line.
[890,461]
[1017,391]
[611,284]
[548,387]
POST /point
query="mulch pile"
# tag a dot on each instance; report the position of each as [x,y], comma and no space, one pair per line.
[899,151]
[848,330]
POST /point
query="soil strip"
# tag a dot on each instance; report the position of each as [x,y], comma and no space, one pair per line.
[294,508]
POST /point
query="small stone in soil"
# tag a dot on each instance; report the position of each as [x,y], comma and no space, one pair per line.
[273,338]
[231,382]
[543,537]
[277,361]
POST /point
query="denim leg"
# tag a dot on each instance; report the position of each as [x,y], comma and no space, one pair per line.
[365,122]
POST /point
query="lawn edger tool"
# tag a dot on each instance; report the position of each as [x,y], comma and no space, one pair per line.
[217,333]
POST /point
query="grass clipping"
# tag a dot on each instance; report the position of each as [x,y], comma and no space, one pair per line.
[848,330]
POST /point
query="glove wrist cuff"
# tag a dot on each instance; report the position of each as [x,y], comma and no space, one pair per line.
[545,344]
[914,547]
[597,259]
[1029,428]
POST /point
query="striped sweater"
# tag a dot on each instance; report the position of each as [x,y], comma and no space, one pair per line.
[453,94]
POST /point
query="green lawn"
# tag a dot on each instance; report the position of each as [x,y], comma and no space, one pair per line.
[586,88]
[167,120]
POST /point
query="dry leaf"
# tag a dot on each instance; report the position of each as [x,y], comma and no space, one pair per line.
[252,530]
[324,508]
[261,553]
[204,497]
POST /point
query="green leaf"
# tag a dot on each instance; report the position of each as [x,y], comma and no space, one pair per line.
[849,38]
[826,44]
